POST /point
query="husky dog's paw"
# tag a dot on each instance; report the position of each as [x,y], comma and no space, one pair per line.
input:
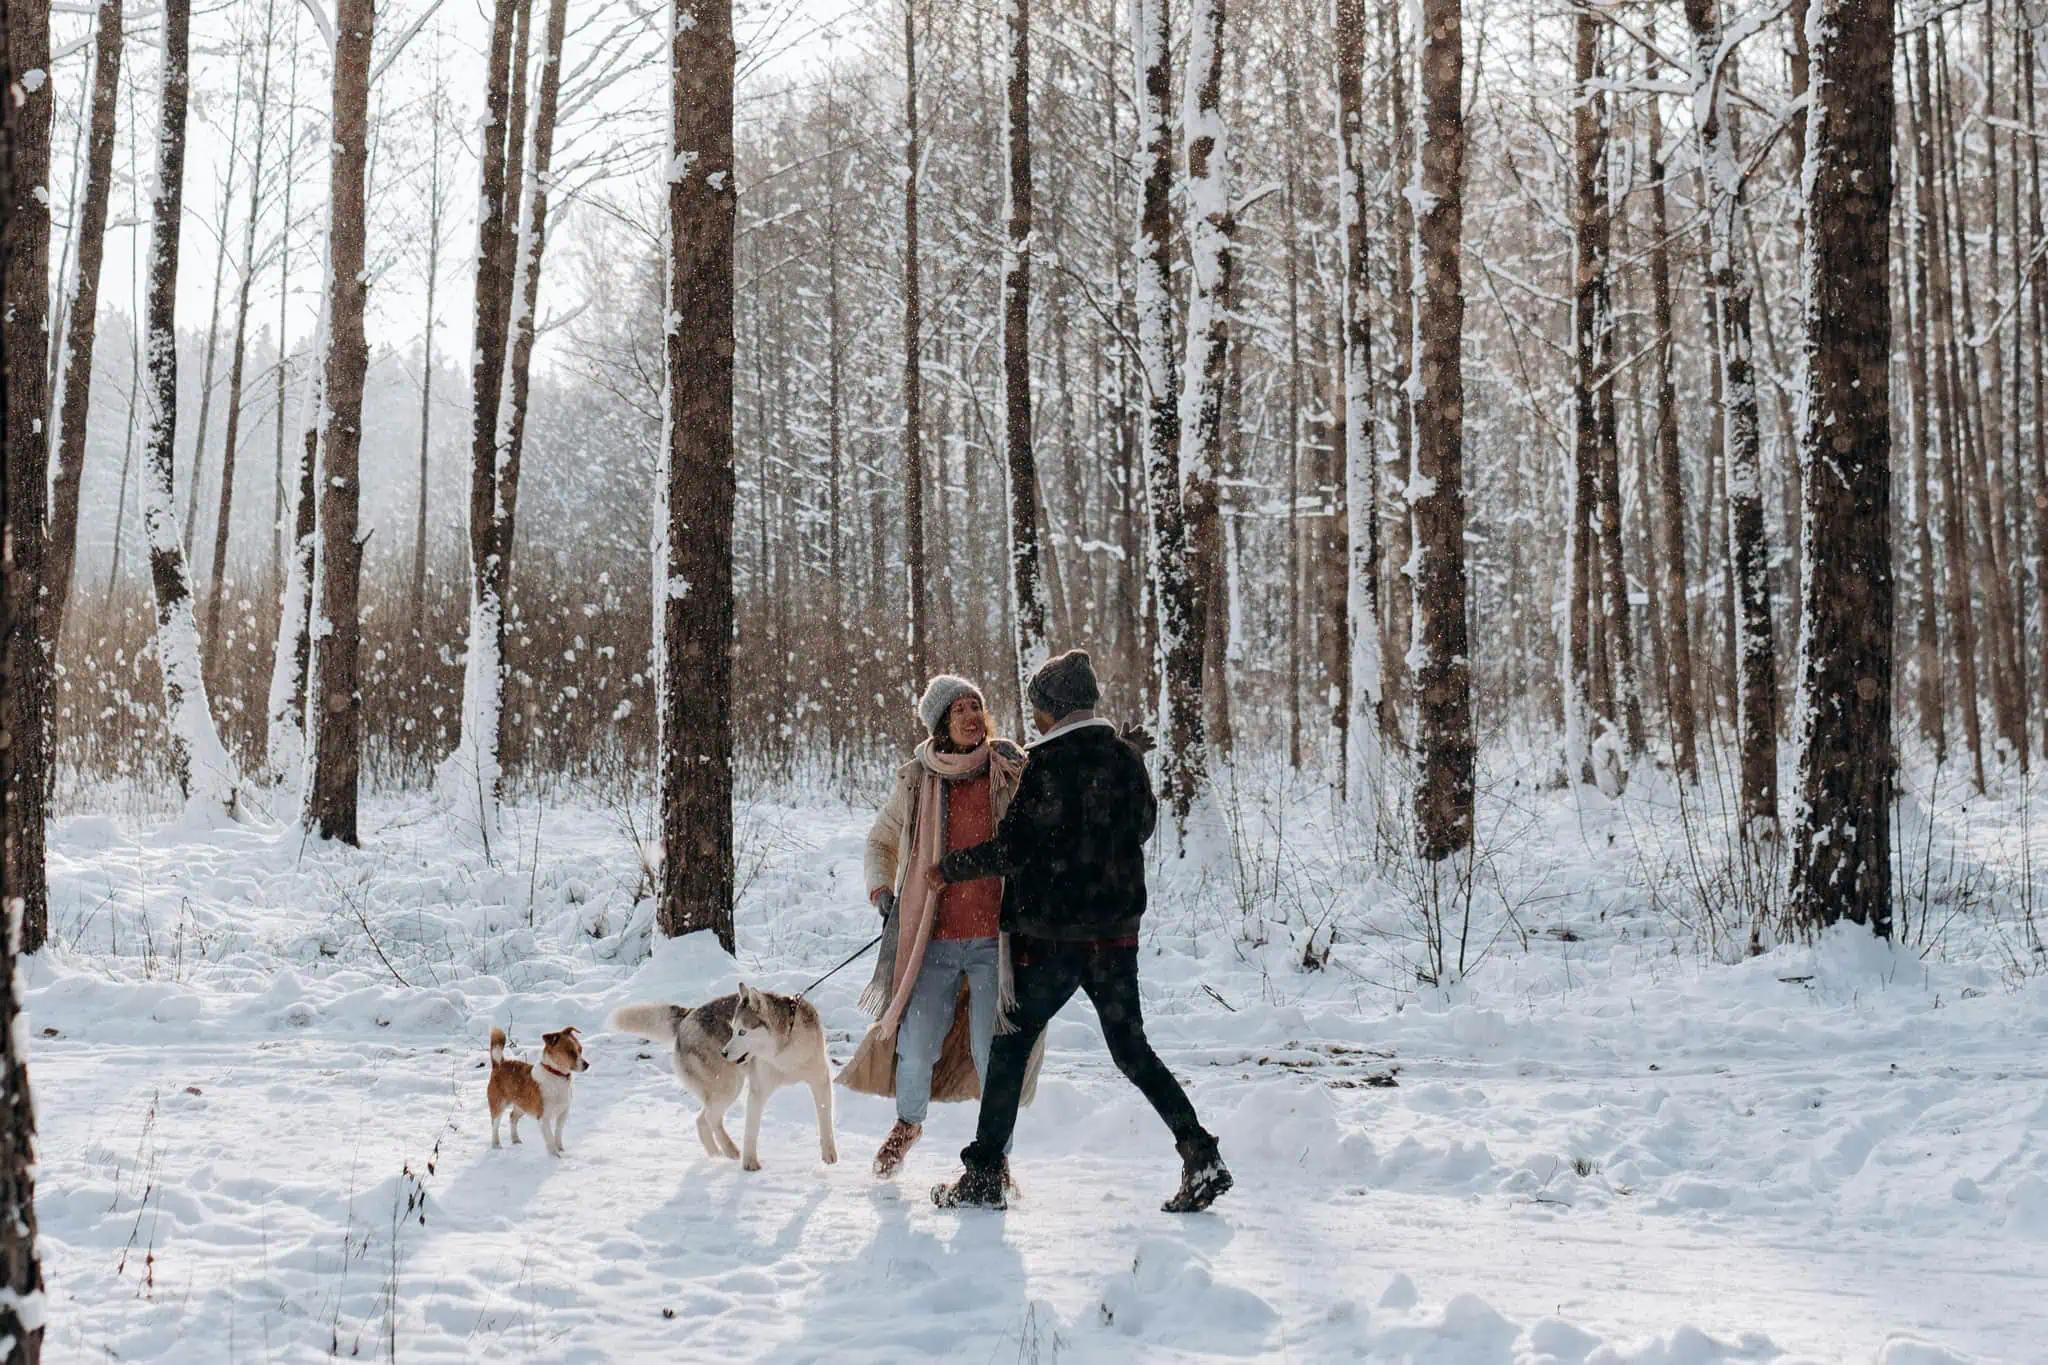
[752,1163]
[830,1153]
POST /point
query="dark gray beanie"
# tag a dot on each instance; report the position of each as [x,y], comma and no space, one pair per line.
[1065,684]
[939,695]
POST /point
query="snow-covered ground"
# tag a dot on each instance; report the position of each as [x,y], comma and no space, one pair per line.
[259,1069]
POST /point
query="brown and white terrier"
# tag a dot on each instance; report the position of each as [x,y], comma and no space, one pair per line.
[541,1094]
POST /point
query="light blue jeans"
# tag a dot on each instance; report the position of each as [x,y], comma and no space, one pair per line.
[922,1030]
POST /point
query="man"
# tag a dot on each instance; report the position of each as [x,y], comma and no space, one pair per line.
[1071,848]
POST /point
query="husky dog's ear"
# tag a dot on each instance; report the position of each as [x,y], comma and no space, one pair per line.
[748,998]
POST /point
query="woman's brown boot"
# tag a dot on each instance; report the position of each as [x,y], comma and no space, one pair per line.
[895,1147]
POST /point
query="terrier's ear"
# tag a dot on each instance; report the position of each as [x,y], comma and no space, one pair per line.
[550,1039]
[571,1031]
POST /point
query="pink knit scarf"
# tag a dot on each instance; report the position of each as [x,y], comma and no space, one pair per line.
[918,907]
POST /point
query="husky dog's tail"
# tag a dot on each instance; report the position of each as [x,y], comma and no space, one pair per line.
[497,1046]
[649,1021]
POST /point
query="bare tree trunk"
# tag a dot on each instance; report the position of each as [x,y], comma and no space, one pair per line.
[1623,701]
[1027,588]
[527,246]
[1841,862]
[220,256]
[1927,633]
[474,773]
[1400,589]
[24,667]
[334,691]
[1954,435]
[693,584]
[1365,722]
[1443,677]
[1293,452]
[913,343]
[1677,593]
[1591,730]
[2037,288]
[436,211]
[24,662]
[1749,552]
[76,377]
[200,765]
[1173,570]
[237,358]
[279,532]
[1204,374]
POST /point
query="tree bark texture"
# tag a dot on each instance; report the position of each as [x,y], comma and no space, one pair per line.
[1027,587]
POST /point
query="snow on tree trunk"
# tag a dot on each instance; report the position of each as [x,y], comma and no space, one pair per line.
[25,108]
[1363,726]
[470,778]
[1920,383]
[24,475]
[199,763]
[291,651]
[1592,737]
[1841,860]
[693,594]
[1677,596]
[75,360]
[1179,656]
[1756,686]
[1027,588]
[1441,655]
[334,693]
[1205,373]
[529,243]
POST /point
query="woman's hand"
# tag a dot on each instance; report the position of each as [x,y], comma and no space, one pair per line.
[934,877]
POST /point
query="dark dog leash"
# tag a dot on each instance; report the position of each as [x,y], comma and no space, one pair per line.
[841,967]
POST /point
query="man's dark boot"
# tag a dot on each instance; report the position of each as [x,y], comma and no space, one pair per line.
[1203,1177]
[977,1188]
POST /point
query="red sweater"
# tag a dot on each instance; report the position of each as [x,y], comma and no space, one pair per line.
[969,909]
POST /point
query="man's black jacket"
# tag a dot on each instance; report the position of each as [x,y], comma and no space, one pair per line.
[1072,843]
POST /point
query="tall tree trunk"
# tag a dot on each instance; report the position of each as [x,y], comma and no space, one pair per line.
[473,775]
[220,256]
[1173,570]
[1756,688]
[1400,588]
[1948,391]
[1919,377]
[1443,676]
[1365,722]
[913,378]
[279,532]
[1027,588]
[199,763]
[693,583]
[76,371]
[1623,701]
[527,247]
[436,208]
[24,667]
[334,690]
[2037,288]
[292,650]
[1204,373]
[1841,862]
[1293,417]
[24,662]
[238,356]
[1677,594]
[1592,732]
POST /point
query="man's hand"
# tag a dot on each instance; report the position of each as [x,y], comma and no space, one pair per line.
[1138,737]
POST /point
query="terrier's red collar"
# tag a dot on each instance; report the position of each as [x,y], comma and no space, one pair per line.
[553,1072]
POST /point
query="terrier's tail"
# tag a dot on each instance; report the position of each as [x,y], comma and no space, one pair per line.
[649,1021]
[497,1046]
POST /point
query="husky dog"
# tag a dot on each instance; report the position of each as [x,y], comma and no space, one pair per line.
[767,1040]
[515,1086]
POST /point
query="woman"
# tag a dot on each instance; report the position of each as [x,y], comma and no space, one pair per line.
[935,938]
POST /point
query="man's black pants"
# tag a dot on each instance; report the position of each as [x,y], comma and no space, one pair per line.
[1047,975]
